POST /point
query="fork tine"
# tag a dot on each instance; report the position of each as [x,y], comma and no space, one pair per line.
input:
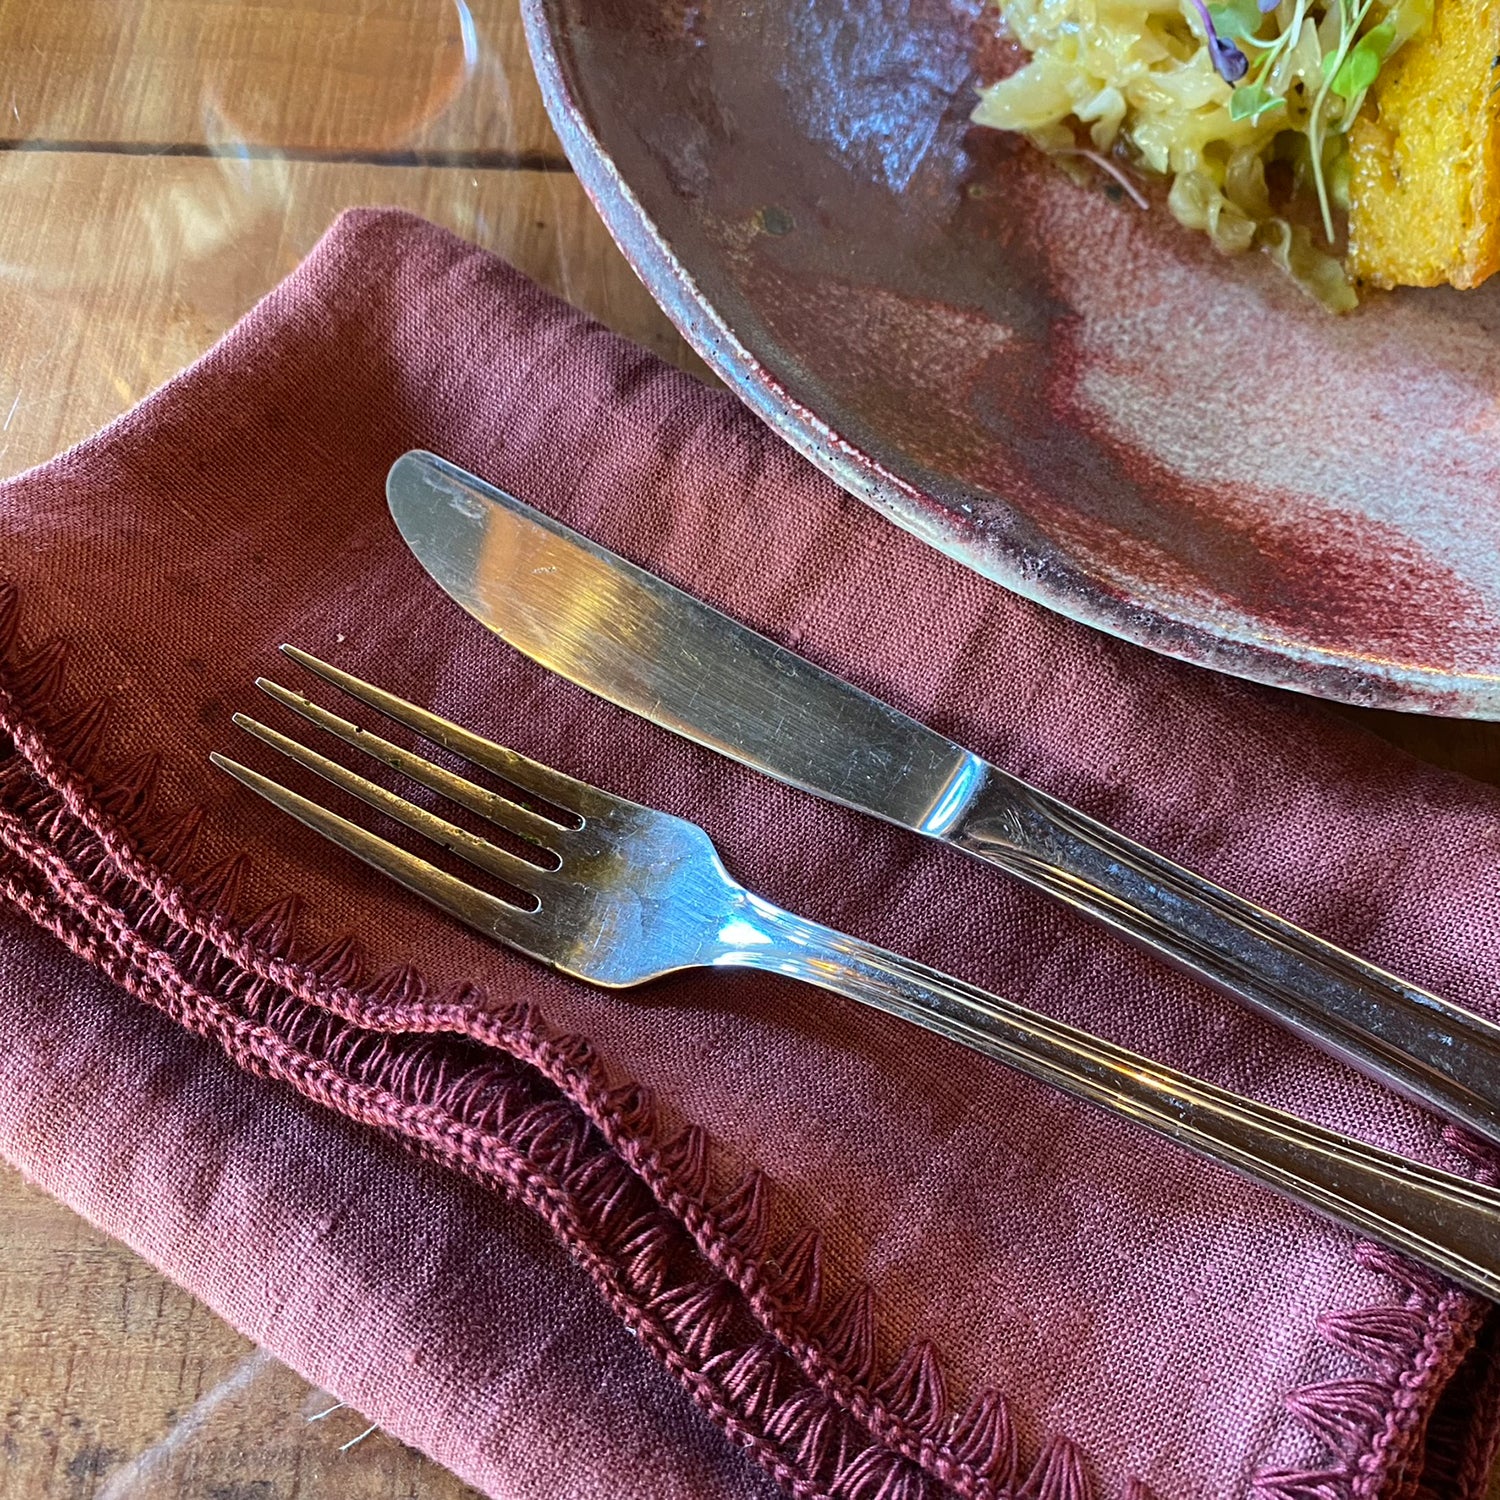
[563,791]
[491,806]
[478,909]
[477,851]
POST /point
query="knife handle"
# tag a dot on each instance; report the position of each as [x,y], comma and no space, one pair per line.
[1437,1053]
[1442,1220]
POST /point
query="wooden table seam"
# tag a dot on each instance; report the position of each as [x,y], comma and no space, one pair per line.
[480,160]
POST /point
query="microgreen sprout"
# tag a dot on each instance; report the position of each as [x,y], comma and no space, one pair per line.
[1231,63]
[1110,169]
[1349,61]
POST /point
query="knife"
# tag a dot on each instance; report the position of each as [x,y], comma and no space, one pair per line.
[641,643]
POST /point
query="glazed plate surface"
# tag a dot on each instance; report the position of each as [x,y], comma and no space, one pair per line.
[1080,400]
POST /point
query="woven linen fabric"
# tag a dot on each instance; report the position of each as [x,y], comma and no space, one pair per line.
[885,1268]
[445,1312]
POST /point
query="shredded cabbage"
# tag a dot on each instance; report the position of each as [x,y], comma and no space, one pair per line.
[1139,78]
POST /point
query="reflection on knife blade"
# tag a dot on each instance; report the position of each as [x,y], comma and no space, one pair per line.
[638,641]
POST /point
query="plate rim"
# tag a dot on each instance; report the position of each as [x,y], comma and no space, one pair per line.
[1331,675]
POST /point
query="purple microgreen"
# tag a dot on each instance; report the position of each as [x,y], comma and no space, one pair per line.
[1267,6]
[1229,62]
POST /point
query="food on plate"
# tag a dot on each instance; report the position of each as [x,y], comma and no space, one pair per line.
[1425,157]
[1357,142]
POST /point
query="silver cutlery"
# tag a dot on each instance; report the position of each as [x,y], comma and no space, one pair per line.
[615,629]
[620,894]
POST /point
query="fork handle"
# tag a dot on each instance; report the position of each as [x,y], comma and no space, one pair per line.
[1447,1222]
[1444,1057]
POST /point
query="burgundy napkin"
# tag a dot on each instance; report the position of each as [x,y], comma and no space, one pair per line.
[883,1267]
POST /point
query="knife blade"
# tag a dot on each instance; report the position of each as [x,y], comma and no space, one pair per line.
[609,626]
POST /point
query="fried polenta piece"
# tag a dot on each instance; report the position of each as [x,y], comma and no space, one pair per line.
[1424,187]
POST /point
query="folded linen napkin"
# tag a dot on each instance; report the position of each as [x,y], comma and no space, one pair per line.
[884,1267]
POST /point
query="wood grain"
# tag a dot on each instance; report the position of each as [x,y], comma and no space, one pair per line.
[120,270]
[114,1384]
[351,78]
[124,269]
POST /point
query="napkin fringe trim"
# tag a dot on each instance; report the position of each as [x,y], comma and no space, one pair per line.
[261,1051]
[834,1347]
[1372,1427]
[542,1159]
[1461,1451]
[187,950]
[190,952]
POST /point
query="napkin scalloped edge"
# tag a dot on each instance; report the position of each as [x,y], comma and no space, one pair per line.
[754,1332]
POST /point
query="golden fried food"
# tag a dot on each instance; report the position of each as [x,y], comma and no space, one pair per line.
[1424,186]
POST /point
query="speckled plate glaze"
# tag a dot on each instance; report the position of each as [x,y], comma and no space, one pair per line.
[1080,400]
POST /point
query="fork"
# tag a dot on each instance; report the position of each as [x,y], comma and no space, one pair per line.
[621,894]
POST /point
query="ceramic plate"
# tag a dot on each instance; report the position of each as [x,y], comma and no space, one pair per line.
[1080,400]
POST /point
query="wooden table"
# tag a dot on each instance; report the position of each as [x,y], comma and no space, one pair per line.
[169,161]
[166,162]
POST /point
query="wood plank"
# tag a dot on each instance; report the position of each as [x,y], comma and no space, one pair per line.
[115,1382]
[1464,745]
[120,270]
[352,77]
